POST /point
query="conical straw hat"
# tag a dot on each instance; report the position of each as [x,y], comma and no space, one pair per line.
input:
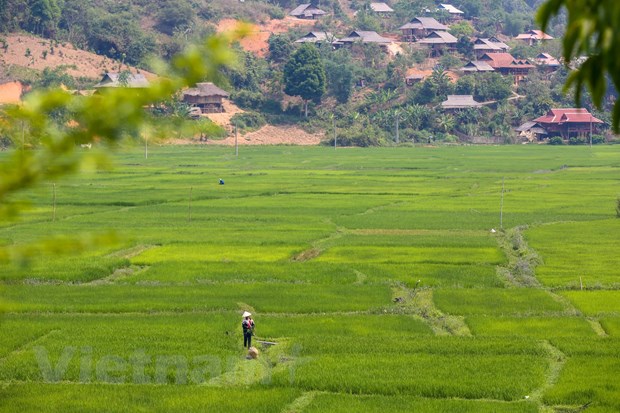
[246,314]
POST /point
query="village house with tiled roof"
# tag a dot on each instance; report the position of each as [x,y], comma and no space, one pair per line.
[317,38]
[477,66]
[381,9]
[307,11]
[534,36]
[452,11]
[420,27]
[507,64]
[568,122]
[459,102]
[363,36]
[439,42]
[547,62]
[489,45]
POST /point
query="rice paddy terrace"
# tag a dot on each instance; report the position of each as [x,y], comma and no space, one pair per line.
[385,275]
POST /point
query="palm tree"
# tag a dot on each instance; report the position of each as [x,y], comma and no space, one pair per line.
[445,122]
[472,129]
[415,115]
[440,81]
[382,118]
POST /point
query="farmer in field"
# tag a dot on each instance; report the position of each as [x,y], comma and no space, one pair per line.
[248,329]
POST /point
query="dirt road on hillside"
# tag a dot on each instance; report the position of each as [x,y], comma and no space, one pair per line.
[274,135]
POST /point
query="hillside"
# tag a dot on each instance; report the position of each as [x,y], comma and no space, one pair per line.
[385,81]
[36,53]
[274,135]
[257,40]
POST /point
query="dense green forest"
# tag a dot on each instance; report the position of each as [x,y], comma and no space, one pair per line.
[384,110]
[128,30]
[132,30]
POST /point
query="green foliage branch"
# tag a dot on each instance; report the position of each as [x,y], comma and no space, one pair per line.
[107,117]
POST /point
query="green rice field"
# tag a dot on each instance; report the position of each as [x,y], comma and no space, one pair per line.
[430,279]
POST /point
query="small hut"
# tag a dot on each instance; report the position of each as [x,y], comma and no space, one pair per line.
[531,131]
[206,96]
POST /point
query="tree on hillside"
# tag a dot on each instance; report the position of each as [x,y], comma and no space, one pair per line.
[56,77]
[466,85]
[468,120]
[280,48]
[472,8]
[406,10]
[396,72]
[514,24]
[76,17]
[119,36]
[174,14]
[435,88]
[366,21]
[416,116]
[12,14]
[445,122]
[591,31]
[492,86]
[45,15]
[339,70]
[538,92]
[304,75]
[461,29]
[249,73]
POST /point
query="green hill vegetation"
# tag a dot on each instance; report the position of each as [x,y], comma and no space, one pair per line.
[364,100]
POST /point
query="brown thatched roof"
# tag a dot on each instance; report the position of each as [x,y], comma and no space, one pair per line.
[307,10]
[206,89]
[424,23]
